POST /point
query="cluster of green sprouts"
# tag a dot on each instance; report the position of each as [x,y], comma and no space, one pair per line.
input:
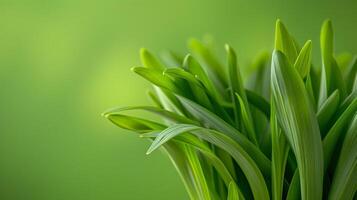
[289,132]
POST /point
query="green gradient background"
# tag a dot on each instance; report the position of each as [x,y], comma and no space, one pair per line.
[63,62]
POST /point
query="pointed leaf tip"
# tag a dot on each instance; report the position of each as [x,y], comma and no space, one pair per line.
[327,23]
[303,61]
[133,69]
[285,42]
[227,47]
[151,149]
[143,51]
[105,114]
[149,60]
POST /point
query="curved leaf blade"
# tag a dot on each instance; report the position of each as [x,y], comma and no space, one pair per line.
[247,164]
[233,193]
[344,183]
[303,61]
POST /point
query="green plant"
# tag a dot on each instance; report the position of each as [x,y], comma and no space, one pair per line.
[291,135]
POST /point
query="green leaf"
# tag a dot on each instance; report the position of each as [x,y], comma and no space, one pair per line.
[210,120]
[165,88]
[207,153]
[303,61]
[233,192]
[280,150]
[191,65]
[326,111]
[326,40]
[344,183]
[354,88]
[236,85]
[334,134]
[284,42]
[212,66]
[346,102]
[197,173]
[258,102]
[297,119]
[168,100]
[247,122]
[197,88]
[310,91]
[294,188]
[149,60]
[133,123]
[315,76]
[155,99]
[344,60]
[181,73]
[177,154]
[350,75]
[337,81]
[246,163]
[171,116]
[230,142]
[157,78]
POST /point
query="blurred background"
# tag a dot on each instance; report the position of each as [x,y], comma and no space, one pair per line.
[63,62]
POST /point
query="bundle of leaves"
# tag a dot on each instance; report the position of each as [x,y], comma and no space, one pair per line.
[289,132]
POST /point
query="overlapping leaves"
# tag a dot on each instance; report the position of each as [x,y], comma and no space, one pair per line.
[275,140]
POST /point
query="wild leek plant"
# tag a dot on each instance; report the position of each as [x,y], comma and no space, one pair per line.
[289,132]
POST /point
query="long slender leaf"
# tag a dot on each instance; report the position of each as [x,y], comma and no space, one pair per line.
[326,41]
[213,67]
[303,61]
[284,42]
[259,102]
[197,88]
[334,134]
[236,85]
[294,189]
[133,123]
[350,74]
[247,122]
[171,116]
[177,155]
[233,193]
[296,117]
[149,60]
[156,77]
[344,183]
[247,164]
[198,175]
[326,111]
[212,121]
[280,150]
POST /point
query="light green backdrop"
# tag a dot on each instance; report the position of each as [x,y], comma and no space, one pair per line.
[63,62]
